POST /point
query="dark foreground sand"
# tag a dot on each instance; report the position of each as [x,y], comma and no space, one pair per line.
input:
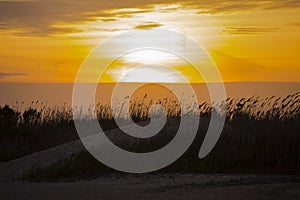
[152,186]
[159,186]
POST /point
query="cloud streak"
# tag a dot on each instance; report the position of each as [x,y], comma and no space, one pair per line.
[5,75]
[224,6]
[247,30]
[148,25]
[297,24]
[39,17]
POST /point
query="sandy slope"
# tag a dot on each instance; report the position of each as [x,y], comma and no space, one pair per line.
[13,169]
[154,186]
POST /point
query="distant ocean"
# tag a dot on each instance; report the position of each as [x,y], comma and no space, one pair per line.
[56,94]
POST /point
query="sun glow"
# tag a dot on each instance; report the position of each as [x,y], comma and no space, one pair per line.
[244,45]
[146,66]
[152,74]
[150,57]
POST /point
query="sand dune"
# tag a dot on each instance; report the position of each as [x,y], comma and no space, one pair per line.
[143,186]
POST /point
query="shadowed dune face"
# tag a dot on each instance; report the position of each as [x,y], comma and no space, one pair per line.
[246,146]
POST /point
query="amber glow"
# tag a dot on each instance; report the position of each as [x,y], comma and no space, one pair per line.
[249,43]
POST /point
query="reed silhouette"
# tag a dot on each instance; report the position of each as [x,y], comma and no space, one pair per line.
[260,136]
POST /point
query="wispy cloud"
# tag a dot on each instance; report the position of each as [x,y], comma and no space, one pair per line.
[247,30]
[5,75]
[108,19]
[297,24]
[39,17]
[148,25]
[224,6]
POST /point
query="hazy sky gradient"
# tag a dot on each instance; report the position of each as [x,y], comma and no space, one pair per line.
[46,41]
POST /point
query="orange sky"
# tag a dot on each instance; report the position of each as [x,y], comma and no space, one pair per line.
[46,41]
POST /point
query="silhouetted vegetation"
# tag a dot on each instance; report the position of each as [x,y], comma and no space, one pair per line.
[260,135]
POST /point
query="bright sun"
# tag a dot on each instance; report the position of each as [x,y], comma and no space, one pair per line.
[147,57]
[147,66]
[152,74]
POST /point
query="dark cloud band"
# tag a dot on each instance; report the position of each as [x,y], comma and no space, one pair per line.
[38,17]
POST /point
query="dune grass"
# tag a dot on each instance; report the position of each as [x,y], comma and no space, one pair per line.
[261,135]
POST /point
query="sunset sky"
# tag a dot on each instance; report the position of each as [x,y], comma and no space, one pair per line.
[47,40]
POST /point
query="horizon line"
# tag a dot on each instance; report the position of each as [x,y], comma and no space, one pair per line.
[151,82]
